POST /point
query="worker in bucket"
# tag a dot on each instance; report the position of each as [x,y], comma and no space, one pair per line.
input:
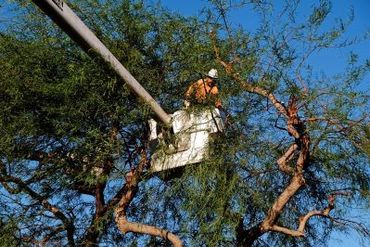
[204,90]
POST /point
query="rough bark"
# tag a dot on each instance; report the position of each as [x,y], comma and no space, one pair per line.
[132,180]
[125,226]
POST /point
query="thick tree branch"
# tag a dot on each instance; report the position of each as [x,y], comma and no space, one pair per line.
[285,158]
[304,219]
[295,184]
[132,180]
[296,128]
[279,204]
[249,236]
[126,226]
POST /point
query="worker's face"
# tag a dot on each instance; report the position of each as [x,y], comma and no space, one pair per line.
[211,81]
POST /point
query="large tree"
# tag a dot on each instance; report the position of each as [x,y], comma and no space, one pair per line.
[288,170]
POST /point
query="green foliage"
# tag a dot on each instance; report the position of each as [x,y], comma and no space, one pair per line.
[7,233]
[320,13]
[64,117]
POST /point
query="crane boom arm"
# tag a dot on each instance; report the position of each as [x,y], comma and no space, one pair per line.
[70,23]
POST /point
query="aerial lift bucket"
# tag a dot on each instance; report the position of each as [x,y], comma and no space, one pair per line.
[190,139]
[191,130]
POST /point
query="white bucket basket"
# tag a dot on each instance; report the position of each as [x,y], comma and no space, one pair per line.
[190,144]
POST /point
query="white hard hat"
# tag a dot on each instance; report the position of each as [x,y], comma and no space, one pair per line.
[213,73]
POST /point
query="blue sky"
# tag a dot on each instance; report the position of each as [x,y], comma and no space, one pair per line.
[329,62]
[334,60]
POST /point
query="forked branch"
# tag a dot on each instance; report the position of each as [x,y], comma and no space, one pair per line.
[304,219]
[127,194]
[285,158]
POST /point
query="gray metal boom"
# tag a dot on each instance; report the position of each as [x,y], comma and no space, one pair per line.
[70,23]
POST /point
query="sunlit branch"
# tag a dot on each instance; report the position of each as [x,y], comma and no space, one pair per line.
[283,160]
[304,219]
[127,193]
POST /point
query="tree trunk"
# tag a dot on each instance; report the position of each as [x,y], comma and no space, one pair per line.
[246,238]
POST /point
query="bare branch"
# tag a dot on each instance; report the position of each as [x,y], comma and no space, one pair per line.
[356,225]
[44,242]
[127,194]
[126,226]
[44,202]
[283,160]
[304,219]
